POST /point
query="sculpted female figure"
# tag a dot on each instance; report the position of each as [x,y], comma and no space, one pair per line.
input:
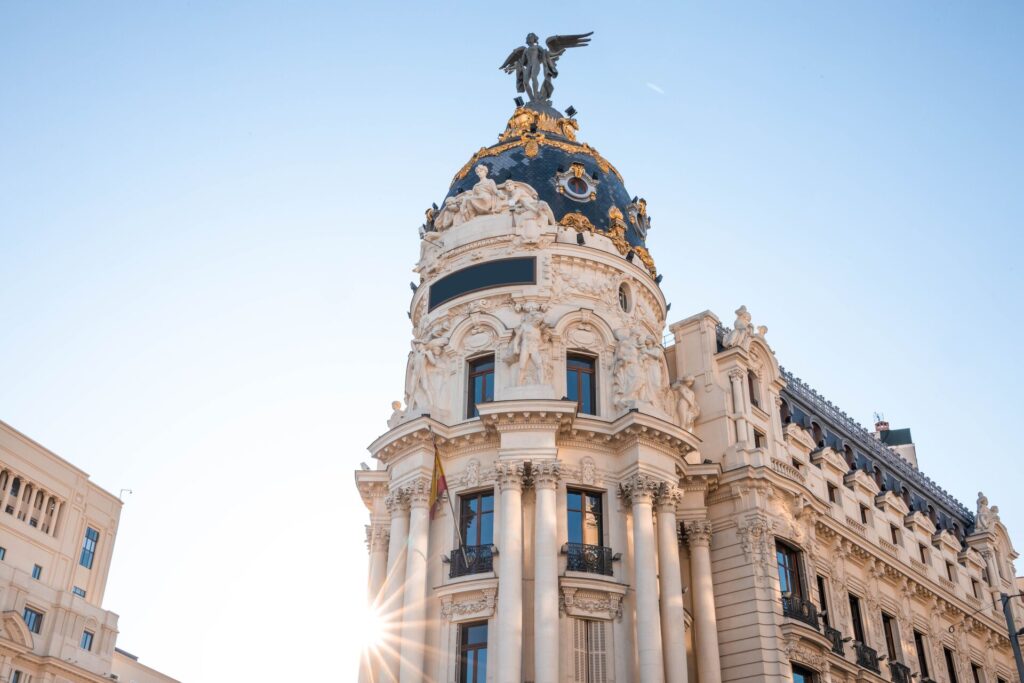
[656,369]
[687,409]
[484,199]
[627,375]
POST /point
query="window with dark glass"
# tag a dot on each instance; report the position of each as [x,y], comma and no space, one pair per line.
[16,677]
[858,623]
[788,560]
[922,661]
[802,675]
[586,523]
[33,619]
[78,591]
[86,642]
[92,537]
[580,384]
[476,518]
[3,552]
[891,637]
[481,384]
[863,514]
[823,602]
[759,439]
[975,588]
[923,552]
[37,572]
[950,665]
[473,652]
[976,672]
[950,572]
[754,389]
[833,493]
[894,533]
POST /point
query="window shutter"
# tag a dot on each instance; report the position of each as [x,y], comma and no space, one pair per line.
[579,639]
[596,650]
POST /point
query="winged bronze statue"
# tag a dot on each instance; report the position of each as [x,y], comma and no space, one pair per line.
[527,61]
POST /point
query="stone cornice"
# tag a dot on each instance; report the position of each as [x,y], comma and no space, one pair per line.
[527,415]
[407,437]
[372,485]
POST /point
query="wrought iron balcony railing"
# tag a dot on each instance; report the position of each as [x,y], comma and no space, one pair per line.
[900,672]
[836,638]
[866,657]
[802,610]
[592,559]
[471,559]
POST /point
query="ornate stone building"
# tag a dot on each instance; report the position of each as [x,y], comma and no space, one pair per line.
[626,506]
[57,532]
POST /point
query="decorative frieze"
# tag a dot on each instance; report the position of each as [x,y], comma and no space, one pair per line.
[477,604]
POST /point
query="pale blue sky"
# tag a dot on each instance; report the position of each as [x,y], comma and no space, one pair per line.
[208,215]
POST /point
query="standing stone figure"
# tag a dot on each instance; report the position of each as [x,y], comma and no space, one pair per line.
[742,331]
[687,409]
[627,375]
[529,60]
[656,370]
[526,345]
[425,366]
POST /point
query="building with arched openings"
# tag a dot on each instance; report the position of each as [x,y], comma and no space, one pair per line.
[625,505]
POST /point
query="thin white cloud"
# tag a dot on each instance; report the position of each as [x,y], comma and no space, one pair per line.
[656,88]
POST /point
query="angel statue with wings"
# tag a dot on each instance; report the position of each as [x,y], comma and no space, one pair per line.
[527,60]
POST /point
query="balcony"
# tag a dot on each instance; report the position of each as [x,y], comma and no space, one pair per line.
[471,559]
[836,638]
[590,559]
[900,672]
[866,657]
[797,608]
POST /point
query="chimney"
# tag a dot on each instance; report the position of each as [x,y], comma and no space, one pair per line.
[899,441]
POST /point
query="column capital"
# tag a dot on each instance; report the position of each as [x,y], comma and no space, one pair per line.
[418,493]
[397,502]
[736,374]
[640,488]
[545,474]
[698,533]
[510,475]
[668,497]
[377,537]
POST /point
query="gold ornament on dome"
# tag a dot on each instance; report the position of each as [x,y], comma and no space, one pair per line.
[614,214]
[577,222]
[617,234]
[533,142]
[524,120]
[645,257]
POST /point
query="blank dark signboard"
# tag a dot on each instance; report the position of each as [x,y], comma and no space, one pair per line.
[500,273]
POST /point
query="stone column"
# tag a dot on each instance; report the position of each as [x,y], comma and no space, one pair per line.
[545,591]
[392,595]
[673,625]
[414,610]
[698,536]
[509,639]
[640,490]
[736,376]
[55,520]
[6,493]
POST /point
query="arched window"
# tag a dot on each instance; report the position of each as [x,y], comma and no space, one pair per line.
[879,480]
[851,461]
[817,435]
[931,515]
[905,494]
[784,414]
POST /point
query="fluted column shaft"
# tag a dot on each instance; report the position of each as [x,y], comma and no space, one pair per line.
[545,593]
[377,542]
[392,597]
[6,493]
[640,490]
[709,667]
[673,619]
[414,610]
[509,641]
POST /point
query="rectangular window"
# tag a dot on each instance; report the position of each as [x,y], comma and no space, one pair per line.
[858,623]
[16,677]
[473,652]
[976,588]
[922,661]
[589,650]
[950,572]
[891,637]
[33,619]
[759,439]
[579,383]
[86,643]
[481,384]
[586,522]
[37,572]
[823,602]
[92,537]
[950,665]
[863,514]
[476,518]
[754,389]
[802,675]
[976,673]
[78,591]
[788,561]
[923,552]
[833,494]
[894,533]
[3,552]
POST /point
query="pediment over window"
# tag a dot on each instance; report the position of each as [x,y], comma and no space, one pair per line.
[15,630]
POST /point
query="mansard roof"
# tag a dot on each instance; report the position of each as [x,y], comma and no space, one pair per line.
[842,430]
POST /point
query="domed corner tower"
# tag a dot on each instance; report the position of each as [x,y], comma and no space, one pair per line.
[537,387]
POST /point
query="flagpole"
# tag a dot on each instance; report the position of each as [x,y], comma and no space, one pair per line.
[447,494]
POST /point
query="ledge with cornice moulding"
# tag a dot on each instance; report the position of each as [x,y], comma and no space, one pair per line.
[861,483]
[916,520]
[635,426]
[887,500]
[372,484]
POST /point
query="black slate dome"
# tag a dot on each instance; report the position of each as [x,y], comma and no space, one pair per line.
[583,189]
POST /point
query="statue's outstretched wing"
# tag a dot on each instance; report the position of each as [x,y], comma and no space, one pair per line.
[514,60]
[559,44]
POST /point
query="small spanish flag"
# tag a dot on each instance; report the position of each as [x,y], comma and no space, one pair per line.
[438,485]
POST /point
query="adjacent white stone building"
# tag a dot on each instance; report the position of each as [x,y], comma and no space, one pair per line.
[636,507]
